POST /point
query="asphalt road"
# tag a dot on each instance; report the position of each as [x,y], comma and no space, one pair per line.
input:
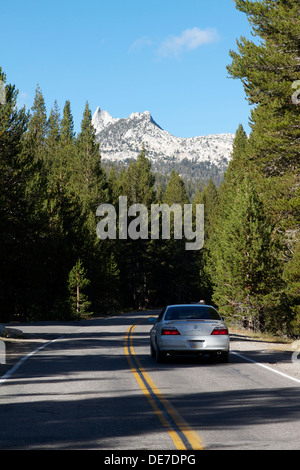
[92,385]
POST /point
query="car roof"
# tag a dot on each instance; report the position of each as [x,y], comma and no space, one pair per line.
[189,305]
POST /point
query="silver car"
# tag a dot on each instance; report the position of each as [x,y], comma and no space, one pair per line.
[189,329]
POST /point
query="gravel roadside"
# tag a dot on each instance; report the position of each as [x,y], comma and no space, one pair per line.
[282,356]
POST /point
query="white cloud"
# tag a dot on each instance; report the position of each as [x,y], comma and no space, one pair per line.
[188,40]
[140,43]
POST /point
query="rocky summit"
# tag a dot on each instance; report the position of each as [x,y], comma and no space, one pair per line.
[122,139]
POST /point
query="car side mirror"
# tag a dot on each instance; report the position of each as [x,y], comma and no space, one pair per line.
[151,319]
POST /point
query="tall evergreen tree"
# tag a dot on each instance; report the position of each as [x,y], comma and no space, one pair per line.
[63,204]
[138,181]
[65,161]
[53,133]
[78,283]
[38,125]
[52,145]
[209,197]
[67,125]
[239,164]
[89,179]
[137,184]
[12,127]
[113,187]
[175,191]
[21,211]
[291,276]
[244,269]
[237,170]
[175,270]
[268,70]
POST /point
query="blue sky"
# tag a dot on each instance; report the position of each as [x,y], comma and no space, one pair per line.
[168,57]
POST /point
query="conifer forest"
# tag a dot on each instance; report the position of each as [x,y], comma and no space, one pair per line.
[54,267]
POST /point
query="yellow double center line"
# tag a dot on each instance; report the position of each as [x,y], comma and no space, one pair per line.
[183,437]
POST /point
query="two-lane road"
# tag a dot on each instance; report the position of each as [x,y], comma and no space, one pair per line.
[96,387]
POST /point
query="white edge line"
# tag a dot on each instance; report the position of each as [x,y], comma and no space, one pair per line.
[21,361]
[266,367]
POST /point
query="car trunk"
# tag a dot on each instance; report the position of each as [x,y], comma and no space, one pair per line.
[194,327]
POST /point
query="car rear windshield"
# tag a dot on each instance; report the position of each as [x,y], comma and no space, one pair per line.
[196,312]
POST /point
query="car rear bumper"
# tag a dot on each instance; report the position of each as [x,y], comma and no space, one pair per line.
[194,344]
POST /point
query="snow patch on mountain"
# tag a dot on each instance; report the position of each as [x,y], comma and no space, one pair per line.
[121,139]
[101,119]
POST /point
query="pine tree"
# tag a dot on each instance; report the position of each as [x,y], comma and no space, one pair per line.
[208,197]
[52,145]
[239,164]
[244,268]
[78,283]
[62,203]
[238,168]
[22,218]
[159,194]
[88,177]
[12,127]
[67,126]
[291,276]
[38,125]
[64,228]
[65,162]
[269,70]
[137,184]
[53,133]
[138,181]
[175,191]
[176,270]
[113,187]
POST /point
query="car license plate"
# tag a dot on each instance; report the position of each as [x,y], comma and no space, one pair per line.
[196,344]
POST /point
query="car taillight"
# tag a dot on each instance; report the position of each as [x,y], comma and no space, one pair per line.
[220,331]
[170,331]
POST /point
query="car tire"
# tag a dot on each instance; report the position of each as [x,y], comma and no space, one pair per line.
[152,351]
[160,356]
[222,357]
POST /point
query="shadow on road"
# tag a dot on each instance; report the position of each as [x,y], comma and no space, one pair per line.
[48,412]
